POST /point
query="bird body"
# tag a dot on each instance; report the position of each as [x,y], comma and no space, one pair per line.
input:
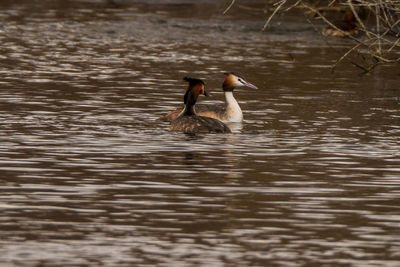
[230,112]
[198,124]
[346,26]
[188,121]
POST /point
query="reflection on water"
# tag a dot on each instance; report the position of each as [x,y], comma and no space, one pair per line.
[89,178]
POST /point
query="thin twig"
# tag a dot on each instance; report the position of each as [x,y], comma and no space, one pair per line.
[295,4]
[229,7]
[273,14]
[353,10]
[365,69]
[345,55]
[395,44]
[332,2]
[377,13]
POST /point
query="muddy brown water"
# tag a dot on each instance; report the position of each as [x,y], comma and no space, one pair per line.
[88,178]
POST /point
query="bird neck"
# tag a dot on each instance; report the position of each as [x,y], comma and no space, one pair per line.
[190,99]
[233,110]
[189,110]
[230,99]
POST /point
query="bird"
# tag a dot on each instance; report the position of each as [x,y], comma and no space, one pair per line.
[231,112]
[188,121]
[344,27]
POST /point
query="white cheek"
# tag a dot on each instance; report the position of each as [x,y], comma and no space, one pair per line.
[236,82]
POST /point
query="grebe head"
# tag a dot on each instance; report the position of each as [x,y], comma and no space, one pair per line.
[234,79]
[195,88]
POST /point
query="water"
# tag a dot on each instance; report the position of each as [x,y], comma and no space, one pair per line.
[89,178]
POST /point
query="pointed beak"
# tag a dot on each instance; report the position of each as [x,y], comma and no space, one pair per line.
[205,93]
[247,84]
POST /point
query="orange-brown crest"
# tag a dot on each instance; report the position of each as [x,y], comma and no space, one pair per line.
[228,81]
[198,89]
[196,85]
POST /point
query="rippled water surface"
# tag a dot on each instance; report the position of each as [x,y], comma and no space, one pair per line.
[89,178]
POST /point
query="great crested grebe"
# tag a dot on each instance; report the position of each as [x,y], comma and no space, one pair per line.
[345,27]
[188,121]
[231,112]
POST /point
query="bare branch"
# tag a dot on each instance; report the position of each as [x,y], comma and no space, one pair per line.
[378,28]
[229,7]
[345,55]
[282,2]
[379,42]
[353,10]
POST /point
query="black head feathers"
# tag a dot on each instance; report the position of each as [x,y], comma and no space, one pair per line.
[238,74]
[193,81]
